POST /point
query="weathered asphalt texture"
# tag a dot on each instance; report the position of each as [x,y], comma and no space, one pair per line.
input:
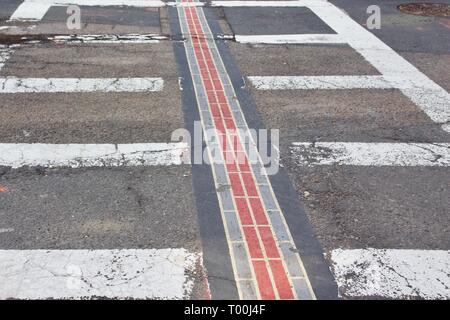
[7,8]
[255,21]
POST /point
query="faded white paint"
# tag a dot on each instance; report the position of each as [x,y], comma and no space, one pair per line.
[108,38]
[319,82]
[298,3]
[5,54]
[92,155]
[6,230]
[371,154]
[77,274]
[53,85]
[290,39]
[392,273]
[126,3]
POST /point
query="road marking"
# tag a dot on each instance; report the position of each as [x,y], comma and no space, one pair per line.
[5,54]
[92,155]
[392,273]
[6,230]
[298,3]
[290,39]
[371,154]
[319,82]
[255,227]
[96,38]
[67,85]
[30,10]
[81,274]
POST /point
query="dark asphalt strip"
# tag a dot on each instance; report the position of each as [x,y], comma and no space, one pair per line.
[309,247]
[216,255]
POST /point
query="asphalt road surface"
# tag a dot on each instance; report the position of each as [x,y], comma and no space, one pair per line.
[112,178]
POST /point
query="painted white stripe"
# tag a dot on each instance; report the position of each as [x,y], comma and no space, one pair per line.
[30,10]
[290,38]
[430,97]
[127,3]
[319,82]
[77,274]
[299,3]
[5,230]
[92,155]
[371,154]
[392,273]
[5,54]
[53,85]
[107,38]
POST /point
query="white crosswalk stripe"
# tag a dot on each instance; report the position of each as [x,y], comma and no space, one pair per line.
[392,273]
[290,39]
[54,85]
[92,155]
[5,54]
[81,274]
[371,154]
[319,82]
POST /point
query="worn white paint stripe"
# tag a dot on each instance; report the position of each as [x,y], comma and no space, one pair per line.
[53,85]
[129,3]
[290,39]
[5,54]
[392,273]
[299,3]
[371,154]
[90,38]
[319,82]
[76,274]
[92,155]
[430,97]
[106,38]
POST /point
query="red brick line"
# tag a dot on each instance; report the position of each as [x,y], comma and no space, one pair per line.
[253,217]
